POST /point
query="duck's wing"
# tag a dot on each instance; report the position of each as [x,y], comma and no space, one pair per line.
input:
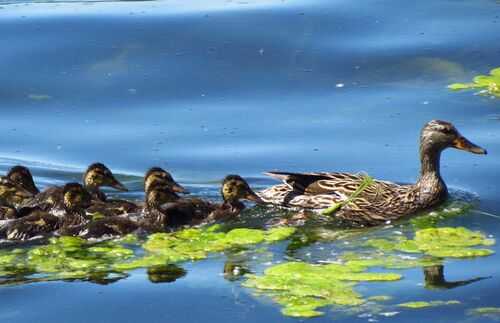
[327,183]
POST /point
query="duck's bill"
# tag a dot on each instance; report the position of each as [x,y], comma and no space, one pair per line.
[177,188]
[118,185]
[251,196]
[463,143]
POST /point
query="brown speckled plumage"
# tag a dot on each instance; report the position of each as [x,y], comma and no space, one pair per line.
[381,201]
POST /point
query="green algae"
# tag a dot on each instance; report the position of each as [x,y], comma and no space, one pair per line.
[438,242]
[302,288]
[448,210]
[486,84]
[365,183]
[72,258]
[492,312]
[423,304]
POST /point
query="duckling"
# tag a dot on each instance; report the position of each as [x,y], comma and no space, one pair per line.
[21,175]
[164,208]
[158,176]
[379,201]
[12,194]
[37,222]
[96,176]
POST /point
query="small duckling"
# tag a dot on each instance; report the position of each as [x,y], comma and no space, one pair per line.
[12,194]
[22,176]
[164,209]
[96,176]
[158,176]
[36,222]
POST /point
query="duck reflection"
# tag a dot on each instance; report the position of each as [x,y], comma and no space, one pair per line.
[434,279]
[165,273]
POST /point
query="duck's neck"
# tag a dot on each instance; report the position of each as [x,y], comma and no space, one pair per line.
[430,181]
[95,192]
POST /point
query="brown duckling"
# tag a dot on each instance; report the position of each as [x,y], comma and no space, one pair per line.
[158,176]
[36,222]
[22,176]
[165,210]
[12,194]
[97,175]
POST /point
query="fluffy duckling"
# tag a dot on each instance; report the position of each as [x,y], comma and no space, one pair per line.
[22,176]
[97,175]
[8,212]
[12,194]
[36,222]
[157,176]
[108,226]
[165,210]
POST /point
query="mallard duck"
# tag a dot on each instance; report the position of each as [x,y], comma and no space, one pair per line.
[12,194]
[21,175]
[166,210]
[96,176]
[36,222]
[380,201]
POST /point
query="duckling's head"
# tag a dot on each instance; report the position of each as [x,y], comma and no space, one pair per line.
[438,135]
[157,176]
[22,176]
[159,195]
[12,193]
[76,197]
[98,175]
[235,188]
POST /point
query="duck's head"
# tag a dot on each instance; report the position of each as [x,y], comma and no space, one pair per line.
[22,176]
[76,197]
[438,135]
[98,175]
[158,177]
[235,188]
[12,193]
[160,195]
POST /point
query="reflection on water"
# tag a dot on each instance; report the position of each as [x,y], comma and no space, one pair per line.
[434,278]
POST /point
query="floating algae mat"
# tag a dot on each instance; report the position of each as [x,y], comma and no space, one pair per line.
[76,258]
[302,288]
[439,242]
[486,84]
[423,304]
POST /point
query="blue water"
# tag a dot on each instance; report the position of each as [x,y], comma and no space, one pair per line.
[207,88]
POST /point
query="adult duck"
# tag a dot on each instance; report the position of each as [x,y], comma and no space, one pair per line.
[380,201]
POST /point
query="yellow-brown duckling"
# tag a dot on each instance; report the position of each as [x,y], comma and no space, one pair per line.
[21,175]
[96,176]
[157,176]
[36,222]
[12,194]
[165,210]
